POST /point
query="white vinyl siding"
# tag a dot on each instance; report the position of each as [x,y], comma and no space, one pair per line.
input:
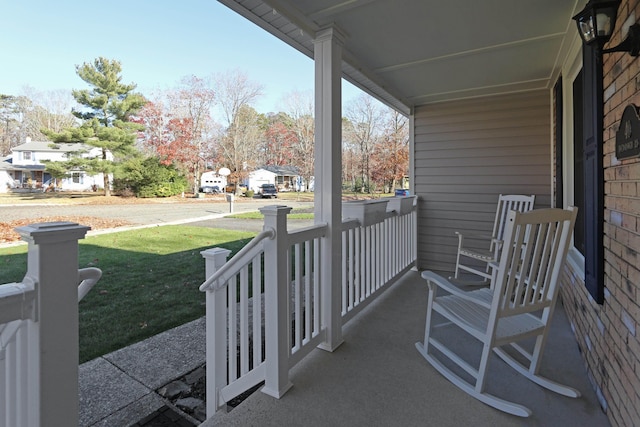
[469,152]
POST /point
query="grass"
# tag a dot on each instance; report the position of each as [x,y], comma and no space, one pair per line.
[149,284]
[295,214]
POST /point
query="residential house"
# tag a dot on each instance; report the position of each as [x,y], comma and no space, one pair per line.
[26,168]
[212,179]
[7,180]
[287,177]
[258,177]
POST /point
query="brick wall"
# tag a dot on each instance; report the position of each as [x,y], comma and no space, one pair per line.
[608,334]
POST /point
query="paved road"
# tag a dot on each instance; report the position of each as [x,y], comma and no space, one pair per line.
[200,212]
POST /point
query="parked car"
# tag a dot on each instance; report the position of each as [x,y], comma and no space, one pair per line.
[268,190]
[231,188]
[212,189]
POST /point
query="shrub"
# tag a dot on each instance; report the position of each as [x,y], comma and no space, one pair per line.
[250,194]
[149,178]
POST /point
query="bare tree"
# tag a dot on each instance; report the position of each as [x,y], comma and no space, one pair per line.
[241,142]
[25,116]
[52,110]
[299,106]
[361,129]
[390,159]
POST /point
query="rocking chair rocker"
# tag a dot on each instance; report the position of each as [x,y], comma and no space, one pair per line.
[519,305]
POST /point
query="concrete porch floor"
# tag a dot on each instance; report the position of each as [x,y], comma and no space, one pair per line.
[378,378]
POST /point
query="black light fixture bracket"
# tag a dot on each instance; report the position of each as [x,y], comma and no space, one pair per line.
[631,43]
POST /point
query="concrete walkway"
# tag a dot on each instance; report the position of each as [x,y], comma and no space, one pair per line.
[375,378]
[118,389]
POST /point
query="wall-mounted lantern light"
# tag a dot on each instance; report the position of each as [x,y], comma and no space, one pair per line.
[596,23]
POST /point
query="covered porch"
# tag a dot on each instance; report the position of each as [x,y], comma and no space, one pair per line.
[376,377]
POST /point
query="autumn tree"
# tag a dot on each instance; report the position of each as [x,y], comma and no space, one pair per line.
[106,110]
[190,110]
[278,142]
[179,127]
[361,130]
[241,141]
[390,158]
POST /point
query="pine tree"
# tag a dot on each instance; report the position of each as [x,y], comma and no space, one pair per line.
[105,113]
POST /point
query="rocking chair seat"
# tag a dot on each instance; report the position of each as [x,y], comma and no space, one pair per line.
[474,317]
[485,256]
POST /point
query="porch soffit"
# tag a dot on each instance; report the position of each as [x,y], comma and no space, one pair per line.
[408,53]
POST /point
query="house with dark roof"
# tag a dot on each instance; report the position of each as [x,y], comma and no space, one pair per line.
[25,167]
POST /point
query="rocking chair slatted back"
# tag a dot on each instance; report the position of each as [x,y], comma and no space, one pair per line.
[506,204]
[527,276]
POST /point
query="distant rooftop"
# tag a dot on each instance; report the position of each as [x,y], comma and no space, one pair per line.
[283,170]
[48,146]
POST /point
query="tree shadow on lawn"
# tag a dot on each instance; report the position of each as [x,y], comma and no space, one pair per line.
[140,293]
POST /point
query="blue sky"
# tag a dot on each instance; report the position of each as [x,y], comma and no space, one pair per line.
[157,42]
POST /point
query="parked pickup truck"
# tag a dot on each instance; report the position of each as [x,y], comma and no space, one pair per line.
[268,190]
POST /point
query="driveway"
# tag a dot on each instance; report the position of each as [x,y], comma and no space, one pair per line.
[205,212]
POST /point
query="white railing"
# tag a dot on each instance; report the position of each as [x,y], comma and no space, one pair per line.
[253,323]
[264,306]
[375,252]
[39,330]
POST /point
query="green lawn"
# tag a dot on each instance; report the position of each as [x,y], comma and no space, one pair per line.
[295,214]
[149,283]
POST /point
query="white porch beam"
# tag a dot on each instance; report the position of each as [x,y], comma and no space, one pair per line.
[328,173]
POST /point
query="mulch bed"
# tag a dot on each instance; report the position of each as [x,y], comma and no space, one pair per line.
[8,234]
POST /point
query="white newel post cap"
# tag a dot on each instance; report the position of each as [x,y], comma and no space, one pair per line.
[52,232]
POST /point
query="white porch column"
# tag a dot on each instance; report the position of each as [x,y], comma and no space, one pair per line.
[52,261]
[328,174]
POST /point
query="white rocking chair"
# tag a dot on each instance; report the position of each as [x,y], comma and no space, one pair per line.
[468,259]
[519,305]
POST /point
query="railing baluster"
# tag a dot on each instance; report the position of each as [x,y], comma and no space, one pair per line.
[316,285]
[244,320]
[297,285]
[345,271]
[12,384]
[257,310]
[357,271]
[232,308]
[308,297]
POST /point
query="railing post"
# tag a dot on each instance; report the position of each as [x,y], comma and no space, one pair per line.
[276,302]
[216,330]
[52,262]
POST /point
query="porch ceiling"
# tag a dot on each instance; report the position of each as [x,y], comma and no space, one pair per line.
[408,53]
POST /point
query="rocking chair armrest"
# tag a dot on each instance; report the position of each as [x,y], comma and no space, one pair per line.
[473,236]
[435,279]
